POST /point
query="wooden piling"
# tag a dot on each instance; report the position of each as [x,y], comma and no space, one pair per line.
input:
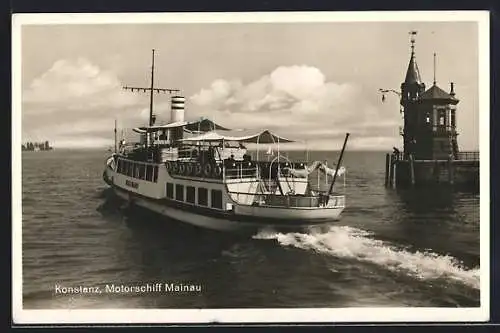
[412,170]
[394,179]
[387,168]
[390,170]
[451,171]
[436,171]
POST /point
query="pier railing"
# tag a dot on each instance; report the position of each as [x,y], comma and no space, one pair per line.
[463,156]
[468,155]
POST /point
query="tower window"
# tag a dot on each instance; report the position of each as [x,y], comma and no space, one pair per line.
[442,117]
[453,118]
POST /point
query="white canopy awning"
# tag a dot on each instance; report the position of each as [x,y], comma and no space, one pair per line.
[264,137]
[201,125]
[139,130]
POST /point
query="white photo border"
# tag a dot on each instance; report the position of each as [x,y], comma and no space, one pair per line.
[232,316]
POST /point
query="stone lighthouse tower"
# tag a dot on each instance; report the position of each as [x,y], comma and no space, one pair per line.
[430,146]
[429,116]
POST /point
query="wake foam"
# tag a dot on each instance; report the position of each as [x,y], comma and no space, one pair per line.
[353,243]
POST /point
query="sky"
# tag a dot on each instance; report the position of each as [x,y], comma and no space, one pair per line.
[312,82]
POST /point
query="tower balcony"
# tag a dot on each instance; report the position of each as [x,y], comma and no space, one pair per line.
[440,129]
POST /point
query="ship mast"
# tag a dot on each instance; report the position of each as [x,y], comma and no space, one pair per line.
[115,137]
[151,89]
[151,121]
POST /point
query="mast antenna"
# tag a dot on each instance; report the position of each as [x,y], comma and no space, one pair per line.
[412,34]
[151,89]
[434,68]
[151,121]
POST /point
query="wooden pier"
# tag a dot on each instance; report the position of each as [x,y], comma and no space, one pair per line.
[462,172]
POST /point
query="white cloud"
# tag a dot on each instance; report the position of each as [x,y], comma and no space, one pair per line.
[76,97]
[76,84]
[297,101]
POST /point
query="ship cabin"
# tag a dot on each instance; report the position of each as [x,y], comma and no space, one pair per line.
[199,150]
[197,160]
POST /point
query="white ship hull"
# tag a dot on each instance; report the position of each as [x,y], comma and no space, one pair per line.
[187,216]
[233,216]
[227,224]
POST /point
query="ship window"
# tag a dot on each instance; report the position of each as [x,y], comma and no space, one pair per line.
[149,172]
[202,196]
[155,174]
[119,166]
[170,190]
[216,199]
[142,171]
[131,169]
[190,194]
[179,192]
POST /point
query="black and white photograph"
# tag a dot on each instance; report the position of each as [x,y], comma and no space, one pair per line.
[294,167]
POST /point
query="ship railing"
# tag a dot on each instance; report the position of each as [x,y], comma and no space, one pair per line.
[289,201]
[193,169]
[239,172]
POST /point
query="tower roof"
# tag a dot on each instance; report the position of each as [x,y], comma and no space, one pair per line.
[413,74]
[436,93]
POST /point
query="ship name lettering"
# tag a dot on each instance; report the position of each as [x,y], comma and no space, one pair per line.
[131,183]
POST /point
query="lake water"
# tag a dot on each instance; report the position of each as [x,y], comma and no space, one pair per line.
[390,248]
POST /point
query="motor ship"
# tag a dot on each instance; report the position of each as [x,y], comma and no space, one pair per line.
[202,173]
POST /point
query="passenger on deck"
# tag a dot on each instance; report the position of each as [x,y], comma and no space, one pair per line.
[211,155]
[194,153]
[230,162]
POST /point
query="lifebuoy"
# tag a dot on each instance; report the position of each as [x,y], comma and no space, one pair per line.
[197,170]
[182,168]
[175,167]
[207,170]
[189,169]
[217,171]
